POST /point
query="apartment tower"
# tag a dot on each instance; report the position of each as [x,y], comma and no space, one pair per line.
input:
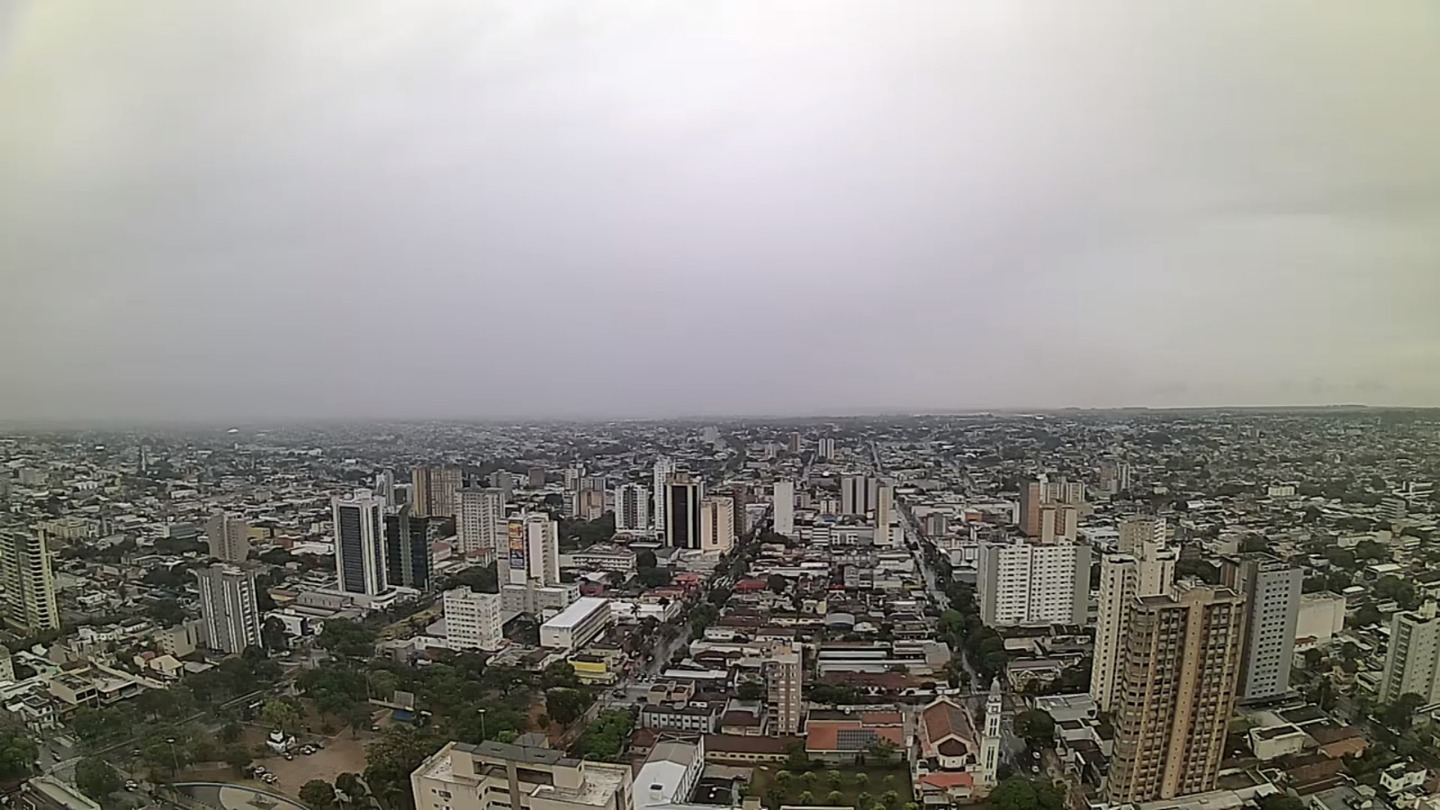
[432,490]
[1178,677]
[1144,567]
[29,583]
[1271,588]
[230,617]
[229,537]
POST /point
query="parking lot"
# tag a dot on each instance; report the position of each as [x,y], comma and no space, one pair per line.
[341,753]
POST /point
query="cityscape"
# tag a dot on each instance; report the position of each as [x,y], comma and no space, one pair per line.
[1059,610]
[719,405]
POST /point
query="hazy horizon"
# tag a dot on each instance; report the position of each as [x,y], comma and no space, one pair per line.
[447,210]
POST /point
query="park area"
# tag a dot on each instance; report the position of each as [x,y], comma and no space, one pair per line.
[864,788]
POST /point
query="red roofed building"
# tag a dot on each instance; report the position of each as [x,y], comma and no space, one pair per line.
[846,741]
[751,585]
[947,753]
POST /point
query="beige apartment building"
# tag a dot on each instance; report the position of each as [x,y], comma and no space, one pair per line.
[495,776]
[1176,693]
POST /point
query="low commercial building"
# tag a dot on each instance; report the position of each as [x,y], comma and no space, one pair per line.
[499,776]
[608,558]
[578,624]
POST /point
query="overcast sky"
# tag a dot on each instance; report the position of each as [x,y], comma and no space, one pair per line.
[227,209]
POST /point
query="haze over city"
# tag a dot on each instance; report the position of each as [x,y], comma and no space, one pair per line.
[351,209]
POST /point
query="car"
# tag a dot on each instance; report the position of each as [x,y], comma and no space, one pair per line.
[131,784]
[289,756]
[259,770]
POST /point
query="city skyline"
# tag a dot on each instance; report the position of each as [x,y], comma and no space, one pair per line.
[968,208]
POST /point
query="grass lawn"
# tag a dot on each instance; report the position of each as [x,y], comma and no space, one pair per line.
[853,782]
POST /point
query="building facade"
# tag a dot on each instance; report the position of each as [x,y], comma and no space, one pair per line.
[1177,689]
[682,511]
[1145,567]
[359,542]
[472,620]
[29,582]
[501,776]
[533,551]
[576,626]
[409,559]
[1024,584]
[717,523]
[1412,660]
[784,508]
[480,522]
[228,536]
[632,508]
[1271,588]
[661,478]
[432,490]
[229,613]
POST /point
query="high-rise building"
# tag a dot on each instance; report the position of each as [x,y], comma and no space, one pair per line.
[480,521]
[359,542]
[1030,497]
[717,523]
[1138,532]
[409,559]
[1181,665]
[1412,660]
[1271,588]
[784,508]
[432,490]
[858,494]
[472,620]
[794,445]
[1147,569]
[682,511]
[1023,584]
[663,467]
[589,504]
[1058,521]
[229,615]
[385,486]
[536,476]
[229,537]
[783,668]
[884,512]
[29,584]
[740,495]
[632,508]
[825,448]
[534,550]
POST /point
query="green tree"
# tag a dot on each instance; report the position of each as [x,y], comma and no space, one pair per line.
[880,753]
[1018,793]
[835,778]
[1401,714]
[17,753]
[863,800]
[236,756]
[318,793]
[350,784]
[566,705]
[750,690]
[777,583]
[347,639]
[96,779]
[282,715]
[807,798]
[890,799]
[862,780]
[1036,726]
[645,559]
[391,759]
[889,780]
[273,635]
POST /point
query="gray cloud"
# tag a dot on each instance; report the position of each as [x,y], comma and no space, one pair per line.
[457,209]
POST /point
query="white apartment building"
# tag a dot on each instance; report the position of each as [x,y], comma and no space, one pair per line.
[664,466]
[480,521]
[472,620]
[230,617]
[1024,584]
[1147,568]
[577,625]
[1412,660]
[501,776]
[783,668]
[784,511]
[229,537]
[884,513]
[533,551]
[1271,588]
[717,523]
[1321,618]
[29,584]
[632,508]
[359,524]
